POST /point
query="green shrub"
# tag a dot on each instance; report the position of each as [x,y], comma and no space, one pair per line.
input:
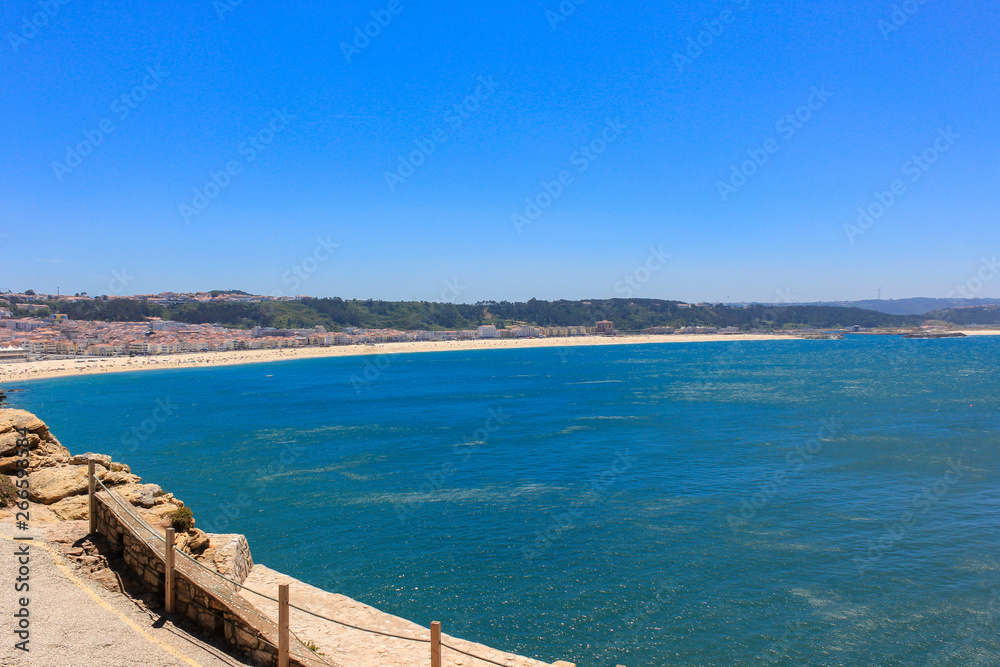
[8,493]
[181,519]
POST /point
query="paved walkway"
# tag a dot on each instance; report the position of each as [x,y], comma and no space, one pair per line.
[76,622]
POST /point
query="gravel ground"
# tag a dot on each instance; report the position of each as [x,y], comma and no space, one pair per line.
[80,623]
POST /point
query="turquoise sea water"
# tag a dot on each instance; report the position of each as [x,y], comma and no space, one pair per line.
[779,502]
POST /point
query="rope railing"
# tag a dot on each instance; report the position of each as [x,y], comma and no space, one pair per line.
[263,638]
[218,586]
[127,507]
[237,584]
[264,628]
[477,657]
[356,627]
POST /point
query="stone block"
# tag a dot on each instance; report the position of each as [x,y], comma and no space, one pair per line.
[263,657]
[206,620]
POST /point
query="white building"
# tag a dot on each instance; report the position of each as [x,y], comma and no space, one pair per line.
[11,352]
[140,347]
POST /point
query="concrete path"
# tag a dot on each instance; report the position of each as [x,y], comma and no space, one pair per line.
[76,622]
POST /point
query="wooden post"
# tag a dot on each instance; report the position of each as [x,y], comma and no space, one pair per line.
[92,478]
[169,594]
[436,644]
[282,625]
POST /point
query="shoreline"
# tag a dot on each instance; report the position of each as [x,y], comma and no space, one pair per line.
[72,367]
[77,366]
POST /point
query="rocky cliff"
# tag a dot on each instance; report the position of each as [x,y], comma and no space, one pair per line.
[58,485]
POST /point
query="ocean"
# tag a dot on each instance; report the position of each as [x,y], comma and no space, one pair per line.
[723,503]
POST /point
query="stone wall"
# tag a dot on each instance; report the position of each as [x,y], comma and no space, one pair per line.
[203,607]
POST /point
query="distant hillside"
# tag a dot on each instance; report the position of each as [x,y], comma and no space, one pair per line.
[914,306]
[337,313]
[968,315]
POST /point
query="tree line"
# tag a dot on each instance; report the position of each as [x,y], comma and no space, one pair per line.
[336,314]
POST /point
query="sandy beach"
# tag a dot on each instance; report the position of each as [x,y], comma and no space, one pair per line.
[53,368]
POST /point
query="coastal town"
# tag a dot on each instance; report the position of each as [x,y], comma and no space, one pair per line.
[50,334]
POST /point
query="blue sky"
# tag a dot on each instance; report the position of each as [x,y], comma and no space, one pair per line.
[644,109]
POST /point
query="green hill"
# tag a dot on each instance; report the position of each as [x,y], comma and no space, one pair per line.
[336,313]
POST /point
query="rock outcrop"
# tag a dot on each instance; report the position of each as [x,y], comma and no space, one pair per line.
[73,508]
[46,451]
[59,485]
[50,485]
[84,459]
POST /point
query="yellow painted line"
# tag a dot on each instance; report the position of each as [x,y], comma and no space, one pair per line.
[128,621]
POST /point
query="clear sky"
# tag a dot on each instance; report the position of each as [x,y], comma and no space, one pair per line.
[501,150]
